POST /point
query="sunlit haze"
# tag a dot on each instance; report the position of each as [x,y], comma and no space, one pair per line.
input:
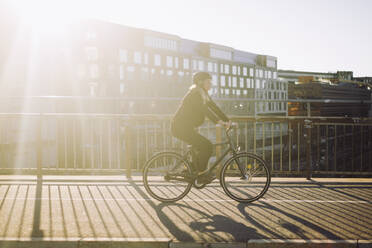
[316,35]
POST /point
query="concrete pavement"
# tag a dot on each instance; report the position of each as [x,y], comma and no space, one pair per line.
[114,211]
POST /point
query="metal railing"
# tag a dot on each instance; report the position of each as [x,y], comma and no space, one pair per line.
[154,105]
[110,143]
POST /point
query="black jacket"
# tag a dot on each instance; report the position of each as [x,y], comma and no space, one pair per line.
[192,111]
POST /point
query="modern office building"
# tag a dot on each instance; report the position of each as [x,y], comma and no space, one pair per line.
[100,59]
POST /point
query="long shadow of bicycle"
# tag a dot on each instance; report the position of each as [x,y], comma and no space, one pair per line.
[208,227]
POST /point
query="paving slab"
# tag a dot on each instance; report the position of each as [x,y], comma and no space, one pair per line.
[108,211]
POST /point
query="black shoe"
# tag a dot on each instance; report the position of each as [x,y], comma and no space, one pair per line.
[207,178]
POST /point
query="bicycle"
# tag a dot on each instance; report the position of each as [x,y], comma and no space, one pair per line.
[245,177]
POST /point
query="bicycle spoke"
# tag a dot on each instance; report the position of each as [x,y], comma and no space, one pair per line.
[165,177]
[245,178]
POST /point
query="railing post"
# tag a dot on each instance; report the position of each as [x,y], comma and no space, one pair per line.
[218,148]
[308,108]
[218,140]
[128,143]
[308,125]
[39,145]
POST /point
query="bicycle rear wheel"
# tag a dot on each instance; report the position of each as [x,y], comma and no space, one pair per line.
[245,177]
[166,177]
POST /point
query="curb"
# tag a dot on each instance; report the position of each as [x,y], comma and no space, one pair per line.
[168,243]
[84,242]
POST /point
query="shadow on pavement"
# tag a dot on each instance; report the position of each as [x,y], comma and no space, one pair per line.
[287,225]
[209,225]
[36,232]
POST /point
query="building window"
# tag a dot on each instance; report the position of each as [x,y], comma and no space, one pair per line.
[131,68]
[92,88]
[122,88]
[214,80]
[234,82]
[201,65]
[194,65]
[91,53]
[93,71]
[227,69]
[215,67]
[223,81]
[241,82]
[176,62]
[181,73]
[275,74]
[155,42]
[121,72]
[271,63]
[221,68]
[137,57]
[169,61]
[130,72]
[245,71]
[123,55]
[210,66]
[270,74]
[238,70]
[111,70]
[146,58]
[261,74]
[221,54]
[186,64]
[251,72]
[144,73]
[234,71]
[81,71]
[90,35]
[157,60]
[258,84]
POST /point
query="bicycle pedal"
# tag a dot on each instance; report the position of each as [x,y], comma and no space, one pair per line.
[206,179]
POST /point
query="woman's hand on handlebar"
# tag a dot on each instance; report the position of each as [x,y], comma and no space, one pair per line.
[225,124]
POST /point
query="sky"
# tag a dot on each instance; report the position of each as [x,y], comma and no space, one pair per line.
[305,35]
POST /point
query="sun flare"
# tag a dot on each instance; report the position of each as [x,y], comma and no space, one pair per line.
[50,16]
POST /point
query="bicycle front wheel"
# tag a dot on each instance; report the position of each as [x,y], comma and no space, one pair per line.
[245,177]
[166,177]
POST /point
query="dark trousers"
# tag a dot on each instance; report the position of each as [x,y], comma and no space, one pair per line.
[200,144]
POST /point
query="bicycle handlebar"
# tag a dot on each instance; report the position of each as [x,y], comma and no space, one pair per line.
[233,124]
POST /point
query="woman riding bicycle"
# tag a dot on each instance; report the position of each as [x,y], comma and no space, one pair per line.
[195,106]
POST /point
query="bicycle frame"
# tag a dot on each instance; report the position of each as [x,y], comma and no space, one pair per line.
[231,148]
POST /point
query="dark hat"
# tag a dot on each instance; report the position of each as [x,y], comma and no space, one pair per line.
[200,76]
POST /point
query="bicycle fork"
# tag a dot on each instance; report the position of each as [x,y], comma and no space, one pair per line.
[242,169]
